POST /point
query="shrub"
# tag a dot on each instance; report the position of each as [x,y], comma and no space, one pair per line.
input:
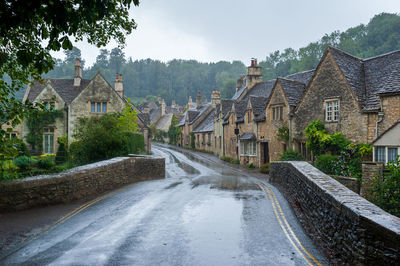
[250,165]
[61,155]
[46,162]
[226,159]
[23,162]
[235,161]
[264,168]
[386,189]
[291,155]
[325,163]
[135,142]
[8,170]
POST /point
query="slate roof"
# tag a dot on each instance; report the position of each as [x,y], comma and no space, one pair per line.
[258,107]
[293,90]
[145,118]
[303,77]
[370,77]
[64,87]
[247,136]
[238,93]
[207,125]
[262,89]
[226,107]
[193,114]
[387,130]
[240,108]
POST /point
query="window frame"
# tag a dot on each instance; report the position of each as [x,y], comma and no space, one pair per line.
[332,110]
[98,107]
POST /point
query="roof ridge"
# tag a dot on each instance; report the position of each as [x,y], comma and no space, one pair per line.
[345,53]
[292,80]
[380,56]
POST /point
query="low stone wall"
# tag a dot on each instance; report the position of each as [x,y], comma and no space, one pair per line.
[355,229]
[351,183]
[78,183]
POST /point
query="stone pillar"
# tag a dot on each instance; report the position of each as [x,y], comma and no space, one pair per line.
[78,73]
[369,171]
[147,140]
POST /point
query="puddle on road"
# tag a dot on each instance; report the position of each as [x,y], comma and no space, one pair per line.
[173,185]
[231,183]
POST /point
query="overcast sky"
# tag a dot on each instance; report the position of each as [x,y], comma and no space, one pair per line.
[213,30]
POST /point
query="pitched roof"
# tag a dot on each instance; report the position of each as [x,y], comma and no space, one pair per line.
[262,89]
[303,77]
[258,107]
[193,114]
[225,105]
[64,87]
[145,118]
[247,136]
[387,130]
[240,108]
[238,93]
[293,90]
[207,125]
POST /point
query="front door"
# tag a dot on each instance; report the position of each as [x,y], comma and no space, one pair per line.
[266,152]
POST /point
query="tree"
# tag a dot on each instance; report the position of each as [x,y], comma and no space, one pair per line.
[228,88]
[30,30]
[117,59]
[127,121]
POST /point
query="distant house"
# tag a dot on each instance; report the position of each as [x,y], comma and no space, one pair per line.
[386,147]
[77,98]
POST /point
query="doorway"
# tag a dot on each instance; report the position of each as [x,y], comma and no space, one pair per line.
[266,152]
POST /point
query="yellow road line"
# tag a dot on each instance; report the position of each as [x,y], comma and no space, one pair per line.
[280,216]
[290,229]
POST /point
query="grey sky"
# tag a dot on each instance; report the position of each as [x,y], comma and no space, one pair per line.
[213,30]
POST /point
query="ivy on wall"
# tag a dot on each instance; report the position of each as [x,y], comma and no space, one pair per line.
[36,123]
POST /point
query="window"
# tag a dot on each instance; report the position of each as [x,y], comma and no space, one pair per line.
[98,107]
[392,154]
[380,154]
[48,138]
[277,113]
[248,116]
[248,148]
[49,105]
[332,110]
[12,135]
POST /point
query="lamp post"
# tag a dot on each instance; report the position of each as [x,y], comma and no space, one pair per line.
[237,140]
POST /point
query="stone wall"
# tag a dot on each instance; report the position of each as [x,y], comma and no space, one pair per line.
[78,183]
[351,183]
[357,231]
[369,171]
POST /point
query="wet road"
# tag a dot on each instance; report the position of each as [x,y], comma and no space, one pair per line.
[204,213]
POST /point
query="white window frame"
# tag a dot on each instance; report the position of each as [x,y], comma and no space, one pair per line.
[248,148]
[332,110]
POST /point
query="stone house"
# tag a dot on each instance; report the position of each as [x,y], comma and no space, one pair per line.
[204,133]
[78,98]
[220,111]
[193,117]
[358,97]
[386,147]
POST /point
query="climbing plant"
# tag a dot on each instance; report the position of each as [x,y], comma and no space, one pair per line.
[36,122]
[283,133]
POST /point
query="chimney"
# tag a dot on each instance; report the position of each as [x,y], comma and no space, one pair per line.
[215,98]
[239,83]
[78,73]
[173,105]
[198,100]
[254,74]
[162,108]
[118,85]
[159,99]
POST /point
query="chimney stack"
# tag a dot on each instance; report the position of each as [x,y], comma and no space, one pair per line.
[198,100]
[163,105]
[215,98]
[254,74]
[118,85]
[78,73]
[239,83]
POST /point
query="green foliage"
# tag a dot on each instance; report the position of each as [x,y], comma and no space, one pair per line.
[158,135]
[365,151]
[8,170]
[30,31]
[61,155]
[386,189]
[228,88]
[100,138]
[250,166]
[264,168]
[291,155]
[23,162]
[379,36]
[127,122]
[230,160]
[283,133]
[235,161]
[36,123]
[325,163]
[46,162]
[348,162]
[12,148]
[64,166]
[316,136]
[174,130]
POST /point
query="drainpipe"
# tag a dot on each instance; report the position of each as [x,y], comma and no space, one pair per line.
[380,118]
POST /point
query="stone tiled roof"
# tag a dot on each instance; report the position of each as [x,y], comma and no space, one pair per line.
[226,107]
[207,125]
[293,90]
[247,136]
[370,77]
[303,77]
[238,93]
[199,112]
[352,68]
[262,89]
[64,87]
[145,118]
[258,107]
[387,130]
[240,108]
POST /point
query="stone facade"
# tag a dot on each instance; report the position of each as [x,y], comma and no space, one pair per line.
[358,232]
[78,183]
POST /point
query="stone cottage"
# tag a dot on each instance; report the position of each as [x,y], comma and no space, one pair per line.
[77,98]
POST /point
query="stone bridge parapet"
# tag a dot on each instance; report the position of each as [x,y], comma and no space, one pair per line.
[356,230]
[79,182]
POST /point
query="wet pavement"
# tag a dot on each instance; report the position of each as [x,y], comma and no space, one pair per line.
[206,212]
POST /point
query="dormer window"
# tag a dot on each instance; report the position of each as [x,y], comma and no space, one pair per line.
[332,110]
[277,113]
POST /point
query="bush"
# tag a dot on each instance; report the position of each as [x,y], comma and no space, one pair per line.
[291,155]
[235,161]
[264,168]
[135,142]
[23,162]
[325,163]
[46,162]
[8,170]
[250,165]
[61,155]
[386,189]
